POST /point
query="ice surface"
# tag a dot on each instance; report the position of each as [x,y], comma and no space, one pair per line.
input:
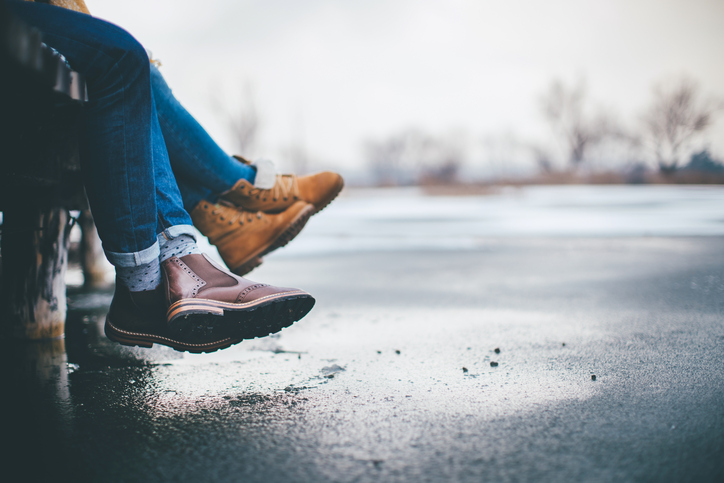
[406,218]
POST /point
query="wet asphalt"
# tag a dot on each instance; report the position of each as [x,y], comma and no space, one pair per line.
[391,377]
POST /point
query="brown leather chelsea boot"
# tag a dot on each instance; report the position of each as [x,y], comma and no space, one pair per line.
[139,318]
[243,237]
[201,296]
[201,307]
[318,189]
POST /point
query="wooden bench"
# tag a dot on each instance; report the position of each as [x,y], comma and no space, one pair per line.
[40,101]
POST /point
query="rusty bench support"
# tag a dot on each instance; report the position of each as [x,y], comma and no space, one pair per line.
[91,252]
[35,245]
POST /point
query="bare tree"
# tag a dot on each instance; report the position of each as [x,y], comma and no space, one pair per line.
[440,158]
[242,119]
[385,159]
[415,156]
[505,154]
[543,158]
[564,109]
[676,116]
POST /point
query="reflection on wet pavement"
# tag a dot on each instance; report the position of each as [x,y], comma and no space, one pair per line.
[371,387]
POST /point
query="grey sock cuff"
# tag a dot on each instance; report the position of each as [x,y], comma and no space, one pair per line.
[178,246]
[140,277]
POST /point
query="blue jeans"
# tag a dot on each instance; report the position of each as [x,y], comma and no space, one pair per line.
[125,166]
[203,170]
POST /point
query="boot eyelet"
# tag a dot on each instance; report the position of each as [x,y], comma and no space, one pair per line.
[206,207]
[274,199]
[231,222]
[258,216]
[221,218]
[286,199]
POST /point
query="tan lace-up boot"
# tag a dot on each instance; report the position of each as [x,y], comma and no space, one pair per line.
[242,236]
[318,189]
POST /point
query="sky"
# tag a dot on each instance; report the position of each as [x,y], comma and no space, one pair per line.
[330,75]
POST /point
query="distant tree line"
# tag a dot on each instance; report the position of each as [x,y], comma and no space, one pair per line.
[668,132]
[675,119]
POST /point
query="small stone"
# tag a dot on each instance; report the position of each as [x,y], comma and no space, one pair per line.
[379,352]
[493,364]
[465,369]
[497,350]
[593,377]
[331,370]
[563,344]
[397,352]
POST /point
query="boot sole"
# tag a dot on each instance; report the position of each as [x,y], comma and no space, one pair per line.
[144,340]
[259,318]
[292,230]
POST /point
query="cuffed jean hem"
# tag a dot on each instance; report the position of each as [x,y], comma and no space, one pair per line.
[177,230]
[135,259]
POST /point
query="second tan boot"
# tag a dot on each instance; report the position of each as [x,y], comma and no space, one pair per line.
[242,237]
[283,190]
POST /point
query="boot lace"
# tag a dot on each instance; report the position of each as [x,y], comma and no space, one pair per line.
[285,187]
[230,214]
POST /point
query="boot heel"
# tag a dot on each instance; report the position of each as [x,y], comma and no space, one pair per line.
[186,307]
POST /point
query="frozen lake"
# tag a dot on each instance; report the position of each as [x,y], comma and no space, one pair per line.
[406,218]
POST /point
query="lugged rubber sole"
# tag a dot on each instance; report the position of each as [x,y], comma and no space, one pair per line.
[272,318]
[259,318]
[201,319]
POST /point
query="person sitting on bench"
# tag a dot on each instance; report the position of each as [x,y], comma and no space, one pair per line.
[167,291]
